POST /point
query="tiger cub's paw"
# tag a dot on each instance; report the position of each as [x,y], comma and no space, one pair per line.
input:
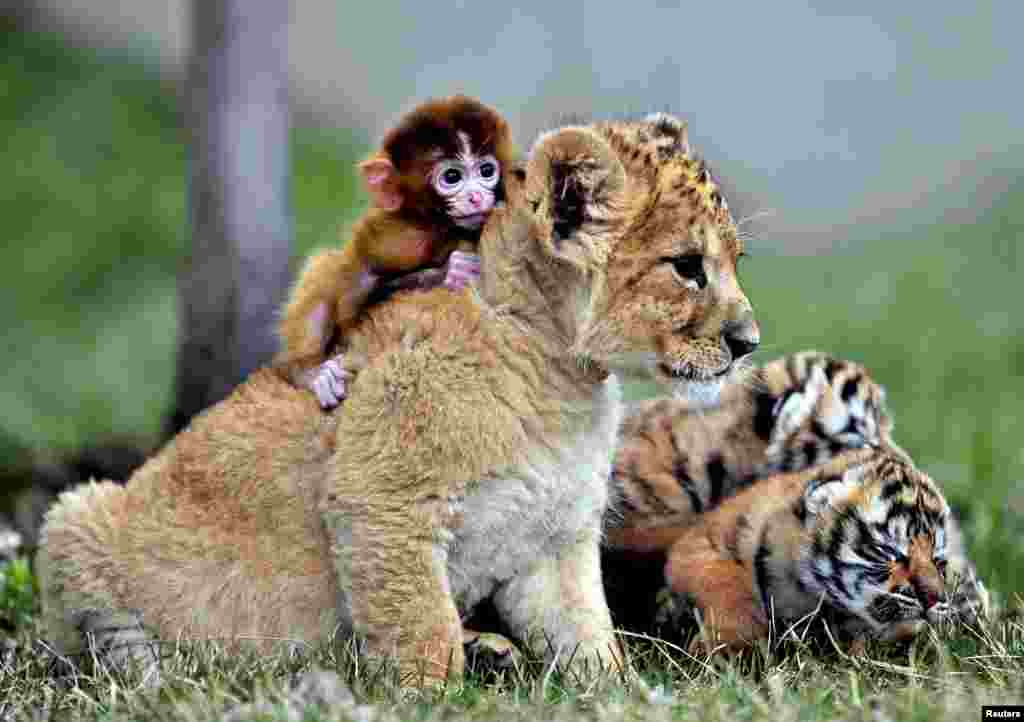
[676,612]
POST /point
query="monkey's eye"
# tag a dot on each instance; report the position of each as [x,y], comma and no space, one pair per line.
[489,171]
[449,178]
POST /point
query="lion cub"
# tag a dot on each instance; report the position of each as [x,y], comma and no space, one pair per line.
[470,460]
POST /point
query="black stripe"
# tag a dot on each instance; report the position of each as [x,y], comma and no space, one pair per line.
[686,484]
[838,536]
[742,483]
[872,551]
[716,476]
[835,546]
[893,488]
[622,501]
[815,484]
[682,476]
[800,510]
[764,420]
[651,497]
[761,570]
[732,544]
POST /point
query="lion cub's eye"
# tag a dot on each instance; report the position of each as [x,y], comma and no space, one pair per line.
[689,268]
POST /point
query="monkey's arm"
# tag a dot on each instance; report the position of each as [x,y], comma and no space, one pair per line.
[406,249]
[328,294]
[335,285]
[331,292]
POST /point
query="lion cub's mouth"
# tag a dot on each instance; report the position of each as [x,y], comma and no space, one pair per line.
[695,386]
[686,372]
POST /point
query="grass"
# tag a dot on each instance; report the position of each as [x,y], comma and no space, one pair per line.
[93,214]
[944,675]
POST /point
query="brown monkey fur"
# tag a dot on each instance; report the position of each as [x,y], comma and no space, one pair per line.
[470,461]
[391,239]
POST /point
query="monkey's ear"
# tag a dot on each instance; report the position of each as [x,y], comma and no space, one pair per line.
[576,186]
[381,180]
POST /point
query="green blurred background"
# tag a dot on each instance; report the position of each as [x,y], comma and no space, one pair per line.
[93,217]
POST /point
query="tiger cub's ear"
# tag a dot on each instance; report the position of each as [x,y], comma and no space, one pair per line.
[794,410]
[826,492]
[575,183]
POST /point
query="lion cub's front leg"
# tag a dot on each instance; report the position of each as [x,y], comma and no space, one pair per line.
[557,606]
[391,562]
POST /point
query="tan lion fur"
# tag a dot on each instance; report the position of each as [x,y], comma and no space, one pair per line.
[470,460]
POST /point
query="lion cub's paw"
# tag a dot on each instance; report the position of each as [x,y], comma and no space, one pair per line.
[487,652]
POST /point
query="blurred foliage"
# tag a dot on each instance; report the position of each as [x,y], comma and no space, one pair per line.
[94,209]
[17,594]
[94,219]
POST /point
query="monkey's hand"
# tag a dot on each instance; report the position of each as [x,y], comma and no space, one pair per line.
[327,382]
[421,280]
[461,270]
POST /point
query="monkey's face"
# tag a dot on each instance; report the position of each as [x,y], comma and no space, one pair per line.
[466,183]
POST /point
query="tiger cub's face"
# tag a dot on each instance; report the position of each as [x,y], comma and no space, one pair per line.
[884,549]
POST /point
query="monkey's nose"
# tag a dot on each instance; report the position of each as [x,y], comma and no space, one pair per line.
[476,198]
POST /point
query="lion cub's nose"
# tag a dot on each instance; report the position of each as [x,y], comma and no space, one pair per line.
[741,339]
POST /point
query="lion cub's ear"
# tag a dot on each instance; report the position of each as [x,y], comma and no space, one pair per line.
[576,188]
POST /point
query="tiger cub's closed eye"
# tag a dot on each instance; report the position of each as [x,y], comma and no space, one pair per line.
[689,268]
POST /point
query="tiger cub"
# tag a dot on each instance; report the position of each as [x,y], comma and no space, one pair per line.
[675,460]
[865,535]
[701,494]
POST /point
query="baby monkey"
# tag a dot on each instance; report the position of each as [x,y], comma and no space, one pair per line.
[432,185]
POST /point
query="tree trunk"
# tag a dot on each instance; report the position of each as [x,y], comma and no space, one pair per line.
[237,272]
